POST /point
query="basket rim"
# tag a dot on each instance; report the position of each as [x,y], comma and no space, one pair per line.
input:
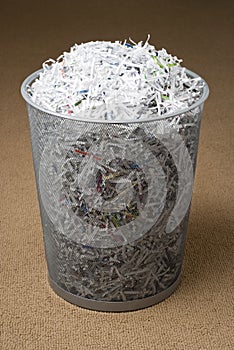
[29,80]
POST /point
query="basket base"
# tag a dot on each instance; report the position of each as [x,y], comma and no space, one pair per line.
[117,306]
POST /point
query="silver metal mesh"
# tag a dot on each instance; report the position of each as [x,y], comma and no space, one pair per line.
[114,201]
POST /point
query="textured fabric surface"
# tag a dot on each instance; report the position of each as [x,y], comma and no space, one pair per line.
[199,315]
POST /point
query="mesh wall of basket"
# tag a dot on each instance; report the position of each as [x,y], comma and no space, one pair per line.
[114,199]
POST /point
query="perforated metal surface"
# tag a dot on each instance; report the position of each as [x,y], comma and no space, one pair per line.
[114,201]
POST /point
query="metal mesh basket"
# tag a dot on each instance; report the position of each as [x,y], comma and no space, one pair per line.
[114,200]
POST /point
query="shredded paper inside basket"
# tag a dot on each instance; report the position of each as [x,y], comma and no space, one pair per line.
[116,196]
[105,74]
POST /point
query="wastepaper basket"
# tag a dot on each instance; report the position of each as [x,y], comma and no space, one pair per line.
[114,199]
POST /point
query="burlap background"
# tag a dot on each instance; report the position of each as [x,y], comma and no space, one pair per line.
[199,315]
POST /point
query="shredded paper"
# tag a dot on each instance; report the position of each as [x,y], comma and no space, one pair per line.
[115,197]
[105,74]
